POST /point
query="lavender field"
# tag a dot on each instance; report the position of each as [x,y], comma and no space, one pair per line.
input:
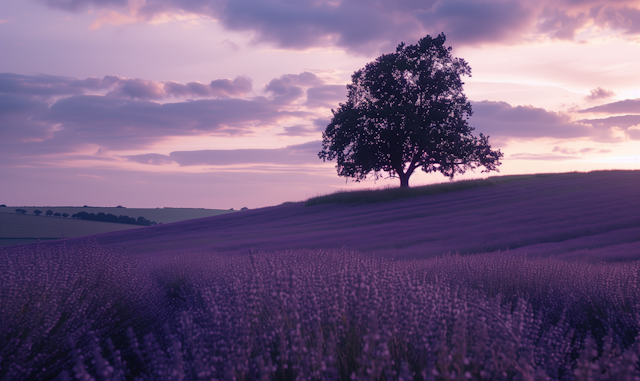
[533,279]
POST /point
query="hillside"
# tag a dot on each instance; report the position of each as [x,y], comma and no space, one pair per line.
[593,215]
[237,296]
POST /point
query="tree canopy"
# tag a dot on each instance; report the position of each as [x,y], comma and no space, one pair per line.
[407,110]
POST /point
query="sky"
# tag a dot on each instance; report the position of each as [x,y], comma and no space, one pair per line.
[222,103]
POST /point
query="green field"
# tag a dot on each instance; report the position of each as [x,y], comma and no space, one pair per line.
[159,215]
[17,229]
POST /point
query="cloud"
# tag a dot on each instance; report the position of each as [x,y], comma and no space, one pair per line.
[318,126]
[150,158]
[326,95]
[634,132]
[138,89]
[114,86]
[599,93]
[42,115]
[624,121]
[627,106]
[50,85]
[232,45]
[306,153]
[624,18]
[625,126]
[116,123]
[559,154]
[583,151]
[502,119]
[16,120]
[76,5]
[477,22]
[289,87]
[91,176]
[298,130]
[541,156]
[218,88]
[372,27]
[154,90]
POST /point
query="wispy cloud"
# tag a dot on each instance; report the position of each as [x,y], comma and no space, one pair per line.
[541,156]
[627,106]
[300,154]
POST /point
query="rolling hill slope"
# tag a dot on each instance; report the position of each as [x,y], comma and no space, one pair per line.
[594,215]
[186,298]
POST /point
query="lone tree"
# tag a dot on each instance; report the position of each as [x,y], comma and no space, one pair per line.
[406,110]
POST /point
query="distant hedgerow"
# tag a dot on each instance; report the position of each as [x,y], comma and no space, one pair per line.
[113,218]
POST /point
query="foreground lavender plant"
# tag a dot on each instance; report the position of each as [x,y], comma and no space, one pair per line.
[82,312]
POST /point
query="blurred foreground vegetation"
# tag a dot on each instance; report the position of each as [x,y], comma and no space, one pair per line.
[86,313]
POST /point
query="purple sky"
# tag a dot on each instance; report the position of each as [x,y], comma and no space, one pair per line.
[220,104]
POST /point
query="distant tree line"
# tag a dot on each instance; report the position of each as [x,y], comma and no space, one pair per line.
[95,217]
[113,218]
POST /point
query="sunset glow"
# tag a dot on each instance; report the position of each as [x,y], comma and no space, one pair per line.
[221,104]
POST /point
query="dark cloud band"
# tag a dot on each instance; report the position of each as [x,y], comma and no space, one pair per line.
[366,26]
[300,154]
[627,106]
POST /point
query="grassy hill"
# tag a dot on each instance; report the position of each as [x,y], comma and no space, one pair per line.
[574,214]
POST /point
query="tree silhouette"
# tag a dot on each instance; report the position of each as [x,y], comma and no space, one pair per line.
[407,110]
[65,215]
[49,213]
[56,214]
[21,211]
[37,212]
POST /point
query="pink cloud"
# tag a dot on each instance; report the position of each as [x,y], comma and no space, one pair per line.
[306,153]
[599,93]
[627,106]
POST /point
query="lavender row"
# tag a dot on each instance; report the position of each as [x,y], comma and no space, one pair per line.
[84,312]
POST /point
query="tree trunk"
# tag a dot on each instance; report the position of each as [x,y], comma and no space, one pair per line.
[404,181]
